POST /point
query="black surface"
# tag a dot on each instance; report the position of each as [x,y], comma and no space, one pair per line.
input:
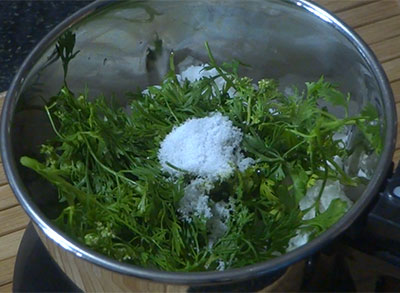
[384,219]
[35,270]
[22,25]
[253,285]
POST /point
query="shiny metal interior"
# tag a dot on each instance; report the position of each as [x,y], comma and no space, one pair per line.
[292,46]
[291,41]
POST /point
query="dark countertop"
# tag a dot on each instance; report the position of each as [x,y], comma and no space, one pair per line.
[22,25]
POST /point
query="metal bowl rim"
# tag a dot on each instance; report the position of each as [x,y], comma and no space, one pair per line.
[196,278]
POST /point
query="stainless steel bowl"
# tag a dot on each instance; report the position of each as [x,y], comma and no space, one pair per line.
[290,40]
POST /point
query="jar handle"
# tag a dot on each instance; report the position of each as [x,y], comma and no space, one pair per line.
[383,221]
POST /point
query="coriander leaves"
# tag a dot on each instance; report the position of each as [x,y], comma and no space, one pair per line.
[118,200]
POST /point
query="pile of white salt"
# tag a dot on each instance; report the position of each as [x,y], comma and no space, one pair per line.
[208,148]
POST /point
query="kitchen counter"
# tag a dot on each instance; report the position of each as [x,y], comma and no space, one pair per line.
[378,23]
[22,25]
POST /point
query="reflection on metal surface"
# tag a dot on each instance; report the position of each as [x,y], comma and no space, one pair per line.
[320,13]
[291,41]
[92,278]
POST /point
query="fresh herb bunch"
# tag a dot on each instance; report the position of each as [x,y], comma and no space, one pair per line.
[116,199]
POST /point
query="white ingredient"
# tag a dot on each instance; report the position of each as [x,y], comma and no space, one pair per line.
[244,163]
[209,149]
[194,73]
[147,92]
[361,173]
[221,265]
[195,201]
[205,147]
[367,165]
[299,240]
[217,229]
[332,190]
[217,224]
[338,160]
[187,62]
[273,111]
[342,137]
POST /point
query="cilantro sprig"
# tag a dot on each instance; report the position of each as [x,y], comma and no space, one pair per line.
[116,200]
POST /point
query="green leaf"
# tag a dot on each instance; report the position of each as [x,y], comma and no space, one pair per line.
[266,190]
[300,180]
[370,126]
[323,221]
[286,197]
[115,197]
[71,192]
[369,112]
[326,91]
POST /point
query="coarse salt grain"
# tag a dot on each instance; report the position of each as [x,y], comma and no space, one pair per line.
[205,147]
[217,225]
[208,148]
[195,201]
